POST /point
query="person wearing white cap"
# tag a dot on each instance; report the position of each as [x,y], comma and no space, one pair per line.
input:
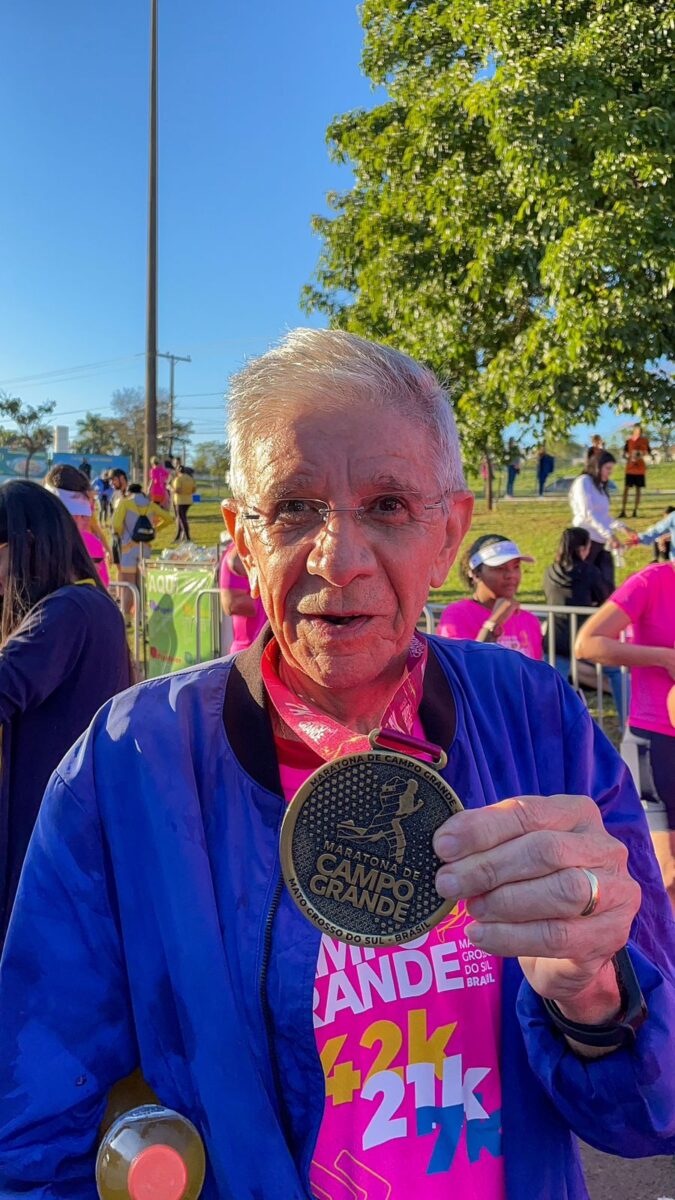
[491,568]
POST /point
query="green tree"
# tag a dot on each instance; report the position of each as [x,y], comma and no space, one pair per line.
[511,216]
[211,458]
[96,435]
[128,405]
[33,433]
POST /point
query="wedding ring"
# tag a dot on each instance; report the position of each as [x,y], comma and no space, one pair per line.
[595,893]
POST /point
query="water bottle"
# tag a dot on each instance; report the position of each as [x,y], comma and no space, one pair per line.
[150,1153]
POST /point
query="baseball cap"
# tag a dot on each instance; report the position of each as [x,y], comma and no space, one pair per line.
[496,554]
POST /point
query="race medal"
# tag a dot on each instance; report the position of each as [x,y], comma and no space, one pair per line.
[356,846]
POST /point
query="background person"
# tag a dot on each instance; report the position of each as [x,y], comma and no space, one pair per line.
[545,467]
[634,451]
[491,568]
[74,490]
[158,477]
[238,602]
[596,447]
[513,465]
[661,536]
[574,582]
[646,602]
[131,507]
[62,654]
[120,485]
[589,501]
[183,487]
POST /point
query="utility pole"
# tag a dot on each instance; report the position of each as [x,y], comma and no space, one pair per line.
[150,441]
[173,359]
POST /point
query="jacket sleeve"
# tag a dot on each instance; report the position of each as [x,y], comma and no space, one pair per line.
[66,1032]
[581,500]
[666,525]
[118,518]
[39,656]
[623,1103]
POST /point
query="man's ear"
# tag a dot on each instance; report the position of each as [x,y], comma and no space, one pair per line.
[238,533]
[457,526]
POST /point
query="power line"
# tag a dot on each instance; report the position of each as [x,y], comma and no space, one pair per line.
[46,376]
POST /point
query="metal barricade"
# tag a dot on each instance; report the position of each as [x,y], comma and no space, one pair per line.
[116,590]
[216,624]
[431,613]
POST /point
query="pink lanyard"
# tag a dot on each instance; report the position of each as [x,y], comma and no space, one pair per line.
[326,736]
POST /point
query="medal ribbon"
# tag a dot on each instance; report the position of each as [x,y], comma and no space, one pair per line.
[329,738]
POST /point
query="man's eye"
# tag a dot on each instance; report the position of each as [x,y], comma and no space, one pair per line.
[288,510]
[387,505]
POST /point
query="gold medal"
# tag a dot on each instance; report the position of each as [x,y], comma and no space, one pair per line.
[356,847]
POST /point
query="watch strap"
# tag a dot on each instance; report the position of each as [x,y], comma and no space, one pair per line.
[612,1034]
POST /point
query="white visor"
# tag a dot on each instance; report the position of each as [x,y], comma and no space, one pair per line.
[496,554]
[77,503]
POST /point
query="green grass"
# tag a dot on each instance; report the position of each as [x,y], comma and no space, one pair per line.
[535,525]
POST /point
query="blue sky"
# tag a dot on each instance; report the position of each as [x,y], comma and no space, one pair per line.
[247,90]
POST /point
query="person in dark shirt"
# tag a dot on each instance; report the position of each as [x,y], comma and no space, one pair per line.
[573,582]
[63,653]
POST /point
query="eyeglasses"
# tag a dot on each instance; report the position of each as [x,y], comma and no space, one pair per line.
[299,518]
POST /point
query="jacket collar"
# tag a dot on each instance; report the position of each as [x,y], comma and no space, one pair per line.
[249,729]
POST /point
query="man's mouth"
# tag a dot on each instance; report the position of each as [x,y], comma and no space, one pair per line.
[335,619]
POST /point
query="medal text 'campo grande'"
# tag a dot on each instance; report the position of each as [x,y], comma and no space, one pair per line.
[356,847]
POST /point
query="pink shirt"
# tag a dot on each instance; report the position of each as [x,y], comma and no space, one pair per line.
[245,629]
[648,598]
[466,618]
[97,552]
[158,478]
[409,1040]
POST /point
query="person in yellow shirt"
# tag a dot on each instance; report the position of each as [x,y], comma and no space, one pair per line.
[135,522]
[183,487]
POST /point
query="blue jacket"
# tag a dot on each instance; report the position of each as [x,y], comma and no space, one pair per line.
[151,927]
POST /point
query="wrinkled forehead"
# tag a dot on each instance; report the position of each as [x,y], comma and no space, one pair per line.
[354,451]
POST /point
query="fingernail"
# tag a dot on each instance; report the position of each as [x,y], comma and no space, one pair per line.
[447,885]
[475,933]
[446,846]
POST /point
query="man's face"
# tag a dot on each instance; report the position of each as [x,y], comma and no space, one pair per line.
[344,602]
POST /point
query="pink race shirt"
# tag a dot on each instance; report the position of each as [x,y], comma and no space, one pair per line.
[409,1040]
[97,552]
[158,478]
[648,598]
[466,618]
[245,629]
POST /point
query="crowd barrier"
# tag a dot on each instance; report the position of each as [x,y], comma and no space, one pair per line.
[432,612]
[117,591]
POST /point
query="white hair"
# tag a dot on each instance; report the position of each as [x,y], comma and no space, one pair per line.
[328,368]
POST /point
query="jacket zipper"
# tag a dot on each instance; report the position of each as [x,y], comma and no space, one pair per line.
[264,1003]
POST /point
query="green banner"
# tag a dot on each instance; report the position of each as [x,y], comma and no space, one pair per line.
[171,591]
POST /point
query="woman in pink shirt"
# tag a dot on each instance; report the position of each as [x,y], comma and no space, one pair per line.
[491,568]
[247,612]
[646,602]
[157,481]
[74,491]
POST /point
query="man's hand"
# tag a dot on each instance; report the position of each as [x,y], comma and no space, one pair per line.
[517,864]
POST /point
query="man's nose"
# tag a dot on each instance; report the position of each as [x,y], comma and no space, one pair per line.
[341,550]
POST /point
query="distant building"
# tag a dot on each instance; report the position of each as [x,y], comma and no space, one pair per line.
[61,439]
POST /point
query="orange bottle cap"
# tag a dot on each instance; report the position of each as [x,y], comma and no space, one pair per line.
[157,1173]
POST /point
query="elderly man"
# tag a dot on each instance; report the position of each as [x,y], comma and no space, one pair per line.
[152,926]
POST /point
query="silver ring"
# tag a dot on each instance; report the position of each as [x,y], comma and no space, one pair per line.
[595,893]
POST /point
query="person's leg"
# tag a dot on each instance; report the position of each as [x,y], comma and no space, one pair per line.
[662,755]
[183,521]
[616,682]
[605,564]
[638,493]
[127,575]
[179,525]
[510,480]
[624,502]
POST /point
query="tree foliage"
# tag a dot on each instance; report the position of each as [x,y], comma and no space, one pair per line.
[511,220]
[33,431]
[212,458]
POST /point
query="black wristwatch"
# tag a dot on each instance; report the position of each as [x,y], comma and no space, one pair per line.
[621,1031]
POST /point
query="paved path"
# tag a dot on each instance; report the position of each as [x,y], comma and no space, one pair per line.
[612,1178]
